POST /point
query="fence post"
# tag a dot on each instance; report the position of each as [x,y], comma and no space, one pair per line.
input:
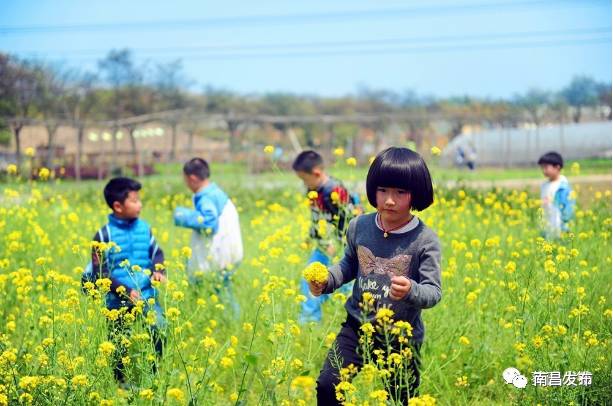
[140,163]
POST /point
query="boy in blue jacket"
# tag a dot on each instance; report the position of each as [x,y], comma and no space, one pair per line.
[131,260]
[216,242]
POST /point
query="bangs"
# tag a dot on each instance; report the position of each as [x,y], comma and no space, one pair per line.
[401,168]
[391,174]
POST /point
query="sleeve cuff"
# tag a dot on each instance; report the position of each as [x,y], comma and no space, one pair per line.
[411,297]
[329,284]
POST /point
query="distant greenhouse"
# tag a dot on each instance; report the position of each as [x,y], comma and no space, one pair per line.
[523,146]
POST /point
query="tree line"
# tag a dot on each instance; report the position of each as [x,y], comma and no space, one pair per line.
[35,91]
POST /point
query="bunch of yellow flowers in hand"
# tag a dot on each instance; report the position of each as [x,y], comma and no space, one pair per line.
[316,274]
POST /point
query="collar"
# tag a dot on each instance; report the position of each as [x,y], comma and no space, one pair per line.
[324,184]
[561,179]
[205,189]
[404,229]
[122,223]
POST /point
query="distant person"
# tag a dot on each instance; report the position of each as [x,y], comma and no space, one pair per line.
[466,156]
[556,196]
[471,156]
[459,156]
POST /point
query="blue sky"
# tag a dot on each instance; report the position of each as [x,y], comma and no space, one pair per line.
[485,48]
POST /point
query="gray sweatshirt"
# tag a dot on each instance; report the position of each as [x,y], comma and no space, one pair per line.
[372,259]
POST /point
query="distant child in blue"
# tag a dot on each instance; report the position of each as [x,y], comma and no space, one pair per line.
[331,203]
[216,240]
[556,196]
[132,262]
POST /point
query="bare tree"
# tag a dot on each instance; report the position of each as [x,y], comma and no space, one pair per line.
[124,79]
[535,103]
[52,103]
[83,102]
[604,97]
[220,101]
[19,91]
[169,84]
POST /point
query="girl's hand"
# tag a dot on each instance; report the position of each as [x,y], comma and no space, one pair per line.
[317,288]
[158,276]
[400,288]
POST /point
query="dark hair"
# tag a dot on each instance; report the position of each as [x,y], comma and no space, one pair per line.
[197,167]
[552,158]
[117,190]
[401,168]
[306,161]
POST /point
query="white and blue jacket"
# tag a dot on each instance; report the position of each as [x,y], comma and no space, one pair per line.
[558,206]
[216,238]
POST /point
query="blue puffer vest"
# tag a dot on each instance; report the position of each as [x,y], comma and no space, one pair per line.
[134,239]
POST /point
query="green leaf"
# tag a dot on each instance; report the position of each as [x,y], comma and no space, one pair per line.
[251,359]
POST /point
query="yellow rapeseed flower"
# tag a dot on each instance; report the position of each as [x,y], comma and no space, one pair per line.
[316,272]
[186,252]
[79,380]
[176,394]
[146,394]
[106,348]
[43,173]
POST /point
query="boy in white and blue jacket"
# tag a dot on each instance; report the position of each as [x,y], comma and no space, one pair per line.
[556,196]
[216,240]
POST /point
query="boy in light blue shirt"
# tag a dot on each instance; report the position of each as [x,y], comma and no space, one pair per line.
[216,240]
[556,196]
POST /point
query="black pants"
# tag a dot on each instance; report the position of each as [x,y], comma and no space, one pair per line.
[117,329]
[346,347]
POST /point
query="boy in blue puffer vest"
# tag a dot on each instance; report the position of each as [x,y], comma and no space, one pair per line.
[131,259]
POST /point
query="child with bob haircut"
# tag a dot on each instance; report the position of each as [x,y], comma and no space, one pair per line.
[396,262]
